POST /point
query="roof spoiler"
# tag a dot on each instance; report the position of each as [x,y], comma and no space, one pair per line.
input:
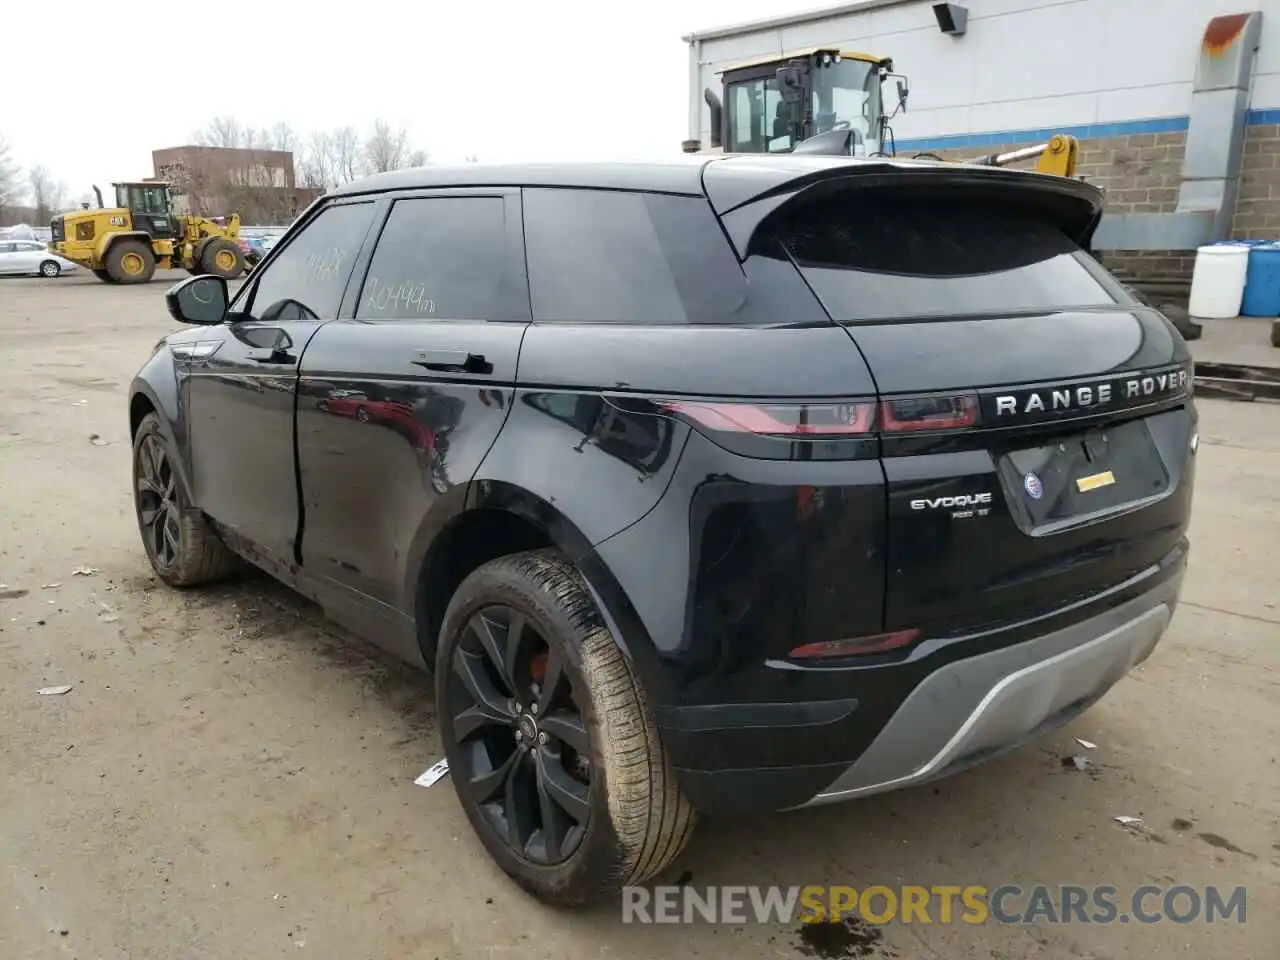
[745,199]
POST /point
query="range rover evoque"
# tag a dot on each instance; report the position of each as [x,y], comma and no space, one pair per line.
[712,485]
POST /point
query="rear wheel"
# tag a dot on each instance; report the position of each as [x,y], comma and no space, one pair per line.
[552,749]
[222,258]
[50,269]
[183,549]
[130,261]
[103,276]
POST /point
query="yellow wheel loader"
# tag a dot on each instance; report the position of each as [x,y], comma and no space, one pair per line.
[829,102]
[125,243]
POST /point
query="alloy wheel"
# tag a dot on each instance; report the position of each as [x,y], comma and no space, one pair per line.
[518,725]
[157,501]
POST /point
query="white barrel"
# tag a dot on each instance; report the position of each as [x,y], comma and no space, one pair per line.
[1217,283]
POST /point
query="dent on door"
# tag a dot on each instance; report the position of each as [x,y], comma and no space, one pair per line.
[388,440]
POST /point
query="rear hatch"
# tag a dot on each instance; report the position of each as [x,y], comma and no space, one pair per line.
[1036,421]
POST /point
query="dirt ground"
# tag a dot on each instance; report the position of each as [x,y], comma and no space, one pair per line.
[231,777]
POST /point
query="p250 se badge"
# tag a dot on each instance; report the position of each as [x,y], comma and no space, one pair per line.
[960,506]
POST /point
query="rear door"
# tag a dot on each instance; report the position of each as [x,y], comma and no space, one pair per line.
[401,398]
[1036,422]
[31,255]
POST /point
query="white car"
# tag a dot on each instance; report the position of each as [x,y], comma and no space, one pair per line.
[27,257]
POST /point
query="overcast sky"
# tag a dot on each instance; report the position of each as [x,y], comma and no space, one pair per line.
[91,88]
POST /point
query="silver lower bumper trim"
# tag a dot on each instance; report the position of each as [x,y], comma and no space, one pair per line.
[975,708]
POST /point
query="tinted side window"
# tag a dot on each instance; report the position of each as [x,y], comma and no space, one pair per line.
[874,258]
[442,258]
[600,256]
[306,279]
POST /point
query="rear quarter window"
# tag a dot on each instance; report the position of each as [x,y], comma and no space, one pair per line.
[607,256]
[873,258]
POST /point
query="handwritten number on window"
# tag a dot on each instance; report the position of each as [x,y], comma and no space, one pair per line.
[407,298]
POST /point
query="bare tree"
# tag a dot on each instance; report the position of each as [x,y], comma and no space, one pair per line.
[58,196]
[283,137]
[9,188]
[317,168]
[42,187]
[221,132]
[386,147]
[346,154]
[417,158]
[472,158]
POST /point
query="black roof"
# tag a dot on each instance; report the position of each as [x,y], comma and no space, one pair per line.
[727,180]
[679,174]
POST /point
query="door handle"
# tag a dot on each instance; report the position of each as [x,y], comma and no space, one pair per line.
[271,355]
[452,360]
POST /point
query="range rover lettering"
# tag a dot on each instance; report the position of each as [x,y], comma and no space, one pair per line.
[700,487]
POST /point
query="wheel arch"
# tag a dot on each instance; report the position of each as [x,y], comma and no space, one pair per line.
[496,519]
[156,391]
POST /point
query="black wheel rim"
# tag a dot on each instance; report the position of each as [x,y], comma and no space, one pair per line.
[157,500]
[517,723]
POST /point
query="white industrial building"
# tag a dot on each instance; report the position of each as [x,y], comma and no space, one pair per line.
[1092,68]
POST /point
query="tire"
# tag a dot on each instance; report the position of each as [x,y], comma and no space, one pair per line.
[636,819]
[103,276]
[130,261]
[221,258]
[50,269]
[183,549]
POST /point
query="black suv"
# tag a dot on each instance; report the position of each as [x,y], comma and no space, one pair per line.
[719,484]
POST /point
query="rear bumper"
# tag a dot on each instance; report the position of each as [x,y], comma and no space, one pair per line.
[963,711]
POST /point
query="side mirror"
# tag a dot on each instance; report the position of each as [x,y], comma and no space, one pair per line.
[902,95]
[199,300]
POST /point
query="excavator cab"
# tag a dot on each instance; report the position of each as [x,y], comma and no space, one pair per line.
[150,207]
[774,105]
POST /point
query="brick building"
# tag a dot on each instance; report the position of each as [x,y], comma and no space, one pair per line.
[1136,81]
[260,185]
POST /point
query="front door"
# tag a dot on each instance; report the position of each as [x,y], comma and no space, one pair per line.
[400,401]
[241,388]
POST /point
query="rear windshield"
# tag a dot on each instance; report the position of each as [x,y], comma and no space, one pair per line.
[896,257]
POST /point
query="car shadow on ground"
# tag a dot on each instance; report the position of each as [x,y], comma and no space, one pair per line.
[1013,798]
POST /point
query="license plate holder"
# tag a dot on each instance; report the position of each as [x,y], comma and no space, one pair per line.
[1081,476]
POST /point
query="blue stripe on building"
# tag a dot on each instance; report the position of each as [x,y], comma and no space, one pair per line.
[1086,131]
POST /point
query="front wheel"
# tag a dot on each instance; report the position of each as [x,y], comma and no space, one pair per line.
[130,261]
[552,748]
[50,269]
[183,549]
[222,258]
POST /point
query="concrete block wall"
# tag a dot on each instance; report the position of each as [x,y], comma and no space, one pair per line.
[1138,173]
[1257,215]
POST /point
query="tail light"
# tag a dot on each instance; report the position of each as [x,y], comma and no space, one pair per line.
[792,420]
[929,413]
[831,421]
